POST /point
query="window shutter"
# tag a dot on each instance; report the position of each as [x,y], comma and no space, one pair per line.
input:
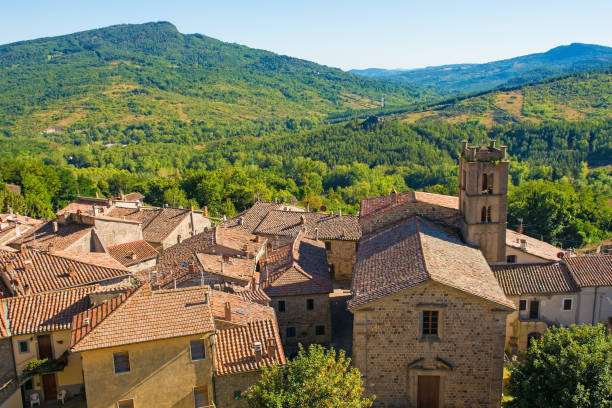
[197,350]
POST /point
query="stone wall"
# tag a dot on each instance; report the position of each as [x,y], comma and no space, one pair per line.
[8,379]
[195,223]
[392,216]
[342,255]
[114,232]
[305,321]
[230,389]
[468,354]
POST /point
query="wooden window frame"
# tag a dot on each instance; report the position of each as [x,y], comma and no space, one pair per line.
[131,400]
[434,316]
[571,300]
[531,303]
[27,343]
[522,305]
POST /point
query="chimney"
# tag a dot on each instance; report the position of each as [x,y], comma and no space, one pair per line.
[316,233]
[95,211]
[241,221]
[191,208]
[523,244]
[51,248]
[339,212]
[179,238]
[258,351]
[205,211]
[463,145]
[228,311]
[97,195]
[492,144]
[270,347]
[133,256]
[394,195]
[302,220]
[10,210]
[55,226]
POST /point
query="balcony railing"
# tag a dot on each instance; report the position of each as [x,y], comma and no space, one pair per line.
[46,366]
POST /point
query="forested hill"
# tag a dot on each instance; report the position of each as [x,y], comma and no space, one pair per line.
[461,78]
[130,74]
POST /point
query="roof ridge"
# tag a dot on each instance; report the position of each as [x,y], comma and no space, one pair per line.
[417,219]
[126,243]
[50,292]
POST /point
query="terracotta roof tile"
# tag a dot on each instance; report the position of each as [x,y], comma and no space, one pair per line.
[242,310]
[415,251]
[131,253]
[533,246]
[85,205]
[234,351]
[145,315]
[370,206]
[49,311]
[591,270]
[534,278]
[252,217]
[42,237]
[134,196]
[40,272]
[157,223]
[329,226]
[4,326]
[241,269]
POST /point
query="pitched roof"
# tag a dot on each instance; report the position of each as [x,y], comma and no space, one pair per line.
[144,315]
[131,253]
[533,246]
[329,226]
[242,269]
[297,269]
[42,237]
[234,351]
[252,217]
[415,251]
[40,271]
[534,278]
[370,206]
[243,310]
[85,205]
[238,240]
[4,326]
[49,311]
[591,270]
[157,223]
[134,196]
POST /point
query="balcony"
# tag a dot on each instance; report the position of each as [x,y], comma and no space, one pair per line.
[46,366]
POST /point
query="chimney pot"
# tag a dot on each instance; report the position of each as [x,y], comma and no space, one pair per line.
[241,221]
[228,311]
[191,208]
[523,244]
[492,143]
[339,212]
[302,220]
[258,351]
[55,226]
[316,233]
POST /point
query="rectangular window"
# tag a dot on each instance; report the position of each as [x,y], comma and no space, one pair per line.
[197,350]
[200,397]
[309,304]
[522,304]
[328,245]
[125,404]
[122,362]
[534,309]
[24,346]
[511,259]
[281,305]
[567,304]
[430,323]
[320,330]
[290,331]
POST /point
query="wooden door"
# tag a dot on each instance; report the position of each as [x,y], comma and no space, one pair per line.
[49,386]
[428,395]
[45,349]
[200,396]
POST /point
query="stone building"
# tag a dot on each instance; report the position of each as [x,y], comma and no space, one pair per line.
[10,395]
[429,318]
[296,278]
[135,255]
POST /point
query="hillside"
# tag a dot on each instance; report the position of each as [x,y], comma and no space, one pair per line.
[132,74]
[571,97]
[461,78]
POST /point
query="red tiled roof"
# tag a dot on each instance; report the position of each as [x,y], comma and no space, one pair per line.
[241,269]
[250,295]
[373,205]
[329,226]
[85,205]
[533,246]
[40,272]
[43,236]
[297,269]
[134,196]
[49,311]
[534,278]
[252,217]
[242,311]
[415,251]
[131,253]
[591,270]
[4,326]
[234,351]
[146,315]
[157,223]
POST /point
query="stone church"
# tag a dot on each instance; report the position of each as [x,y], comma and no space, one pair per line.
[429,314]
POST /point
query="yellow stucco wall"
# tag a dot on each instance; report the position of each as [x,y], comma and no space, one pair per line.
[161,374]
[14,401]
[60,341]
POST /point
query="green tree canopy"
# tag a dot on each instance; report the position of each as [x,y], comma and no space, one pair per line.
[315,378]
[566,368]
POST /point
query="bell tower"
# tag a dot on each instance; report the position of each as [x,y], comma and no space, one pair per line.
[483,196]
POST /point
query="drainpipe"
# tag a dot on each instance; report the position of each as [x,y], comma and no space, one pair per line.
[594,305]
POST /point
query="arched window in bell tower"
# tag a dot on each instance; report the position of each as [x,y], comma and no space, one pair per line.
[490,183]
[483,214]
[484,183]
[489,214]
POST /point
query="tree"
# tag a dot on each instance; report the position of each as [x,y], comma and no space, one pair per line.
[565,368]
[317,378]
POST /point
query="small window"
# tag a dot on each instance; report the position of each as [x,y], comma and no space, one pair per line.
[567,304]
[328,245]
[200,397]
[511,258]
[483,215]
[237,395]
[489,214]
[24,346]
[485,184]
[309,304]
[290,331]
[125,404]
[430,323]
[522,304]
[122,362]
[197,350]
[281,305]
[320,330]
[534,309]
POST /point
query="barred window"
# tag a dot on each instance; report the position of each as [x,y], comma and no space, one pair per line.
[122,362]
[430,323]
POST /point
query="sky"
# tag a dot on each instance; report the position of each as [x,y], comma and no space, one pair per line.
[344,34]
